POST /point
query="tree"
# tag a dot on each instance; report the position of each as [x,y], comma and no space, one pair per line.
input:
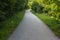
[10,7]
[37,7]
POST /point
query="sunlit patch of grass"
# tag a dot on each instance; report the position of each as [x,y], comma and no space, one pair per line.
[51,22]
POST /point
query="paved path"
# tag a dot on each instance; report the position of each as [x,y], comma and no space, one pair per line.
[31,28]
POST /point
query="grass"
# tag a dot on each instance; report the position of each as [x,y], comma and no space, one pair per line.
[8,26]
[52,23]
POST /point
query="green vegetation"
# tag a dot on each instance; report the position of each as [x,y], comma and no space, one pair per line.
[52,23]
[49,12]
[8,26]
[11,13]
[10,7]
[51,7]
[37,7]
[9,16]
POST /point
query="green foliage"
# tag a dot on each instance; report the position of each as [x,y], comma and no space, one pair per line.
[52,18]
[54,6]
[9,25]
[10,7]
[51,22]
[51,7]
[37,7]
[58,16]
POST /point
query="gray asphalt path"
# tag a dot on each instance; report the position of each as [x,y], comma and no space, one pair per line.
[31,28]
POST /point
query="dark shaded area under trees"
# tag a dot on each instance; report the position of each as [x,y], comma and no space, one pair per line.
[10,7]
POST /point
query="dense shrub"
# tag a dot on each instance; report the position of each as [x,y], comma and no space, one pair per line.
[58,16]
[37,7]
[10,7]
[51,7]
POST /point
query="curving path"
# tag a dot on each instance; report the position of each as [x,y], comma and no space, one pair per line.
[32,28]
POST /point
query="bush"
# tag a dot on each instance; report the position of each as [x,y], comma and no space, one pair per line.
[2,17]
[36,7]
[58,16]
[10,7]
[52,13]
